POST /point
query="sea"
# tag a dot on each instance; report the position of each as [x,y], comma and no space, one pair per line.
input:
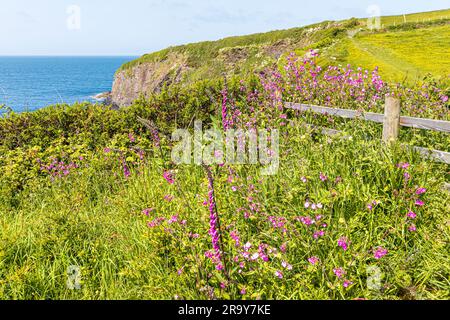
[31,83]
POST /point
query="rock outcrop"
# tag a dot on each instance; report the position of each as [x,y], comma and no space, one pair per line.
[146,78]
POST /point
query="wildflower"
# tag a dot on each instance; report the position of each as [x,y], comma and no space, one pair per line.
[412,228]
[173,219]
[107,150]
[147,211]
[403,165]
[307,204]
[379,253]
[180,271]
[318,234]
[168,197]
[243,291]
[407,176]
[283,247]
[339,272]
[169,177]
[234,188]
[303,179]
[235,236]
[420,191]
[279,274]
[323,177]
[306,220]
[319,206]
[247,246]
[419,203]
[411,215]
[347,283]
[343,243]
[286,265]
[314,260]
[254,256]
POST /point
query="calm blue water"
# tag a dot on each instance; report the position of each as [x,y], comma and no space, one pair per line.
[30,83]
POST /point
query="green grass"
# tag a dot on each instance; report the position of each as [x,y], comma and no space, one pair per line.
[400,55]
[93,220]
[416,17]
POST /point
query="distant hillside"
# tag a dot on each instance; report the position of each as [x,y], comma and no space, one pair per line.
[407,47]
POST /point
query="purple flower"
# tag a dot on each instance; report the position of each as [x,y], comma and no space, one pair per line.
[314,260]
[339,272]
[243,291]
[279,274]
[419,203]
[343,243]
[347,283]
[420,191]
[412,228]
[323,177]
[379,253]
[286,265]
[169,177]
[147,211]
[411,215]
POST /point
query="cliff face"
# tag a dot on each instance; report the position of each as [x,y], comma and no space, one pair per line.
[146,78]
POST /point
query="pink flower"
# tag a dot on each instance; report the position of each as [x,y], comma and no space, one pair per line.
[347,283]
[234,188]
[339,272]
[286,265]
[307,204]
[314,260]
[279,274]
[411,215]
[243,291]
[147,211]
[379,253]
[419,203]
[318,234]
[412,228]
[421,191]
[343,243]
[323,177]
[303,179]
[254,256]
[169,177]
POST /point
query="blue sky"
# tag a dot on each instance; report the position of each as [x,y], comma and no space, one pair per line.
[135,27]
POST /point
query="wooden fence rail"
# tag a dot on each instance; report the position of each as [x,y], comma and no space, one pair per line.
[391,121]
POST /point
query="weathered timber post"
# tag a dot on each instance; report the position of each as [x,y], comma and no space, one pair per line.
[391,124]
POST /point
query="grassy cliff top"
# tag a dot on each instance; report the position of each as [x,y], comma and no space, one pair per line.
[402,48]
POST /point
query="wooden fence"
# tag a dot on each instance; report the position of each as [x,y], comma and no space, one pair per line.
[391,120]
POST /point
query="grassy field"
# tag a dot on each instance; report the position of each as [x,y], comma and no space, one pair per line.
[401,55]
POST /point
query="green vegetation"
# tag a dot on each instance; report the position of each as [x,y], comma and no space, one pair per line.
[405,51]
[343,218]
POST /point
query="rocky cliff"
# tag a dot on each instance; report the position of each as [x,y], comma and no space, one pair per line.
[145,78]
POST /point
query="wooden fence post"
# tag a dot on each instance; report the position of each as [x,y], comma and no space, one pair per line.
[391,123]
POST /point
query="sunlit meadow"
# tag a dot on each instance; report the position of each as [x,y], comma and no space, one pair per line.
[344,216]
